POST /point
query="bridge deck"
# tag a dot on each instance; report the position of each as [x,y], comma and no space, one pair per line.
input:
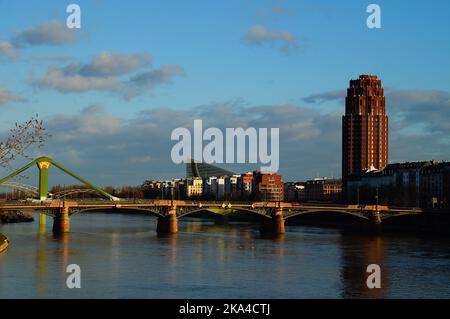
[206,205]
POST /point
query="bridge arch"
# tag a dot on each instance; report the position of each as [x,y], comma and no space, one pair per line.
[62,194]
[399,216]
[224,212]
[292,214]
[135,210]
[28,189]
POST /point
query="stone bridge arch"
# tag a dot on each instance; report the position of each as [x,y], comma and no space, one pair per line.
[157,212]
[265,213]
[290,214]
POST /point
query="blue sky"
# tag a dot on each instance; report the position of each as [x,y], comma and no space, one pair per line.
[319,46]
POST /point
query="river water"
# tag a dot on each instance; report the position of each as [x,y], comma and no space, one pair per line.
[121,256]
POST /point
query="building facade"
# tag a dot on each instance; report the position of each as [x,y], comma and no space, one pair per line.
[364,127]
[323,189]
[268,186]
[194,187]
[235,187]
[246,184]
[397,184]
[435,186]
[410,184]
[294,192]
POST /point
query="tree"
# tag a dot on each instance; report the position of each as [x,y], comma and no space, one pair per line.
[20,139]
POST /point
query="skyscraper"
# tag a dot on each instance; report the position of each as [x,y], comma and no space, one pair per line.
[364,127]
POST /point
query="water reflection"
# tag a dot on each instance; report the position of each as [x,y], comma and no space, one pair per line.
[62,254]
[42,223]
[358,252]
[122,257]
[115,256]
[41,262]
[171,244]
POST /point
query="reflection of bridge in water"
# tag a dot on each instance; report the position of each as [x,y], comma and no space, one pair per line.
[272,215]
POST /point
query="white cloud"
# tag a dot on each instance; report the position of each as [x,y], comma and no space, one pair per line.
[7,96]
[109,64]
[259,35]
[63,82]
[47,33]
[106,72]
[8,50]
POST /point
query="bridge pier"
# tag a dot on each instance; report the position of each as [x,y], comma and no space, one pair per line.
[61,222]
[375,222]
[376,217]
[275,225]
[168,224]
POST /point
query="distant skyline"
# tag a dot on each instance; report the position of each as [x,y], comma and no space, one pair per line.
[111,92]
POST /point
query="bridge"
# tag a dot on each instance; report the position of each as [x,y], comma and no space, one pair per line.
[271,214]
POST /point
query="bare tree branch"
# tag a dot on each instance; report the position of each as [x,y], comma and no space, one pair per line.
[21,137]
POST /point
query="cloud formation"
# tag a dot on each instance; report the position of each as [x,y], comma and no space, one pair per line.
[146,81]
[47,33]
[52,58]
[325,96]
[419,122]
[259,35]
[163,75]
[7,50]
[108,150]
[106,72]
[420,112]
[111,64]
[7,96]
[65,80]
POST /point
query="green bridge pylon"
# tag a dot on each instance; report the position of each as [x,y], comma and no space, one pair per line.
[43,164]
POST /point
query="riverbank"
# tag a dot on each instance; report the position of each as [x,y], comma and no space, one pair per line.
[16,216]
[3,243]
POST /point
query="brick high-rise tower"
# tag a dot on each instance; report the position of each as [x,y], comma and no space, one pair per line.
[364,127]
